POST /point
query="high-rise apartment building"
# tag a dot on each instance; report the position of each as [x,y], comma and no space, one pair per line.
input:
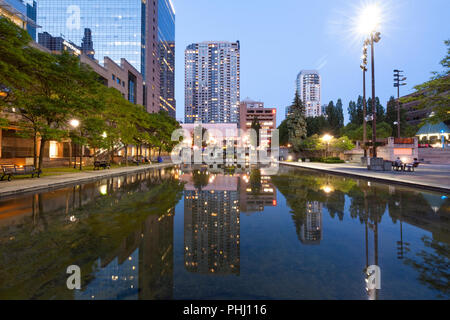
[134,30]
[22,13]
[212,82]
[309,89]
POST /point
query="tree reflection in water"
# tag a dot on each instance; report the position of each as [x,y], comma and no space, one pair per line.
[83,225]
[368,203]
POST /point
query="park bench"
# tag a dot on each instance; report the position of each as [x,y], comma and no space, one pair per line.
[13,170]
[396,166]
[101,164]
[412,166]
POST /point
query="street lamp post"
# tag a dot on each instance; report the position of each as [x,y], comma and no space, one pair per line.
[398,82]
[74,123]
[364,70]
[369,21]
[327,138]
[374,38]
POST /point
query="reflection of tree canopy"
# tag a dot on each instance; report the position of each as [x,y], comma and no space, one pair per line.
[255,181]
[299,187]
[201,179]
[34,264]
[368,203]
[433,266]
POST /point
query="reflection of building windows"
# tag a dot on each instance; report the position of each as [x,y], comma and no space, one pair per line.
[212,232]
[311,229]
[131,88]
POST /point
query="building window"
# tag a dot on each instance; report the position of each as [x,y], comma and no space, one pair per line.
[53,149]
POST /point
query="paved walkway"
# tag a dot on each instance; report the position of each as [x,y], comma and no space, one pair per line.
[8,188]
[426,175]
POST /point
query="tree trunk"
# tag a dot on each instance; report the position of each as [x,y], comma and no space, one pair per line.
[126,155]
[95,154]
[35,149]
[41,153]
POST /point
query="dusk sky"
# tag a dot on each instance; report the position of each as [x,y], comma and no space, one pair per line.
[280,38]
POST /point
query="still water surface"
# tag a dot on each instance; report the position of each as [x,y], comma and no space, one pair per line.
[172,234]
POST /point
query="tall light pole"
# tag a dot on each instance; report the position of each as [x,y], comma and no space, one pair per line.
[364,70]
[327,138]
[369,21]
[398,82]
[375,37]
[74,123]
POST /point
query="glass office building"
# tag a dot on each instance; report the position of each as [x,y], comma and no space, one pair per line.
[166,37]
[22,13]
[115,25]
[135,30]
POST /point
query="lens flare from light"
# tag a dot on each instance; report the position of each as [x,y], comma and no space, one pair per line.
[370,19]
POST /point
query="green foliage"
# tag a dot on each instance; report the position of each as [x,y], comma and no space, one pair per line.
[317,125]
[47,91]
[284,133]
[435,93]
[313,143]
[256,126]
[355,111]
[342,144]
[335,116]
[296,123]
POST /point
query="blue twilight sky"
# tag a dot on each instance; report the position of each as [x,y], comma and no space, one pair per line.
[280,38]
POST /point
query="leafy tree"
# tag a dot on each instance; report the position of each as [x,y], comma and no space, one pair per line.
[335,116]
[381,116]
[342,144]
[284,133]
[13,60]
[435,93]
[256,126]
[313,143]
[384,130]
[355,111]
[297,123]
[317,125]
[339,114]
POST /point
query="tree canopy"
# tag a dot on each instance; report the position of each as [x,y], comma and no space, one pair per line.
[46,91]
[296,123]
[435,93]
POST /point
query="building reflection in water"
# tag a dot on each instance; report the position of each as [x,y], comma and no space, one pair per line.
[212,207]
[212,224]
[311,228]
[120,257]
[256,192]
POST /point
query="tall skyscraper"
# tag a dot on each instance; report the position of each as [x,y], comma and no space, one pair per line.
[131,29]
[309,87]
[22,13]
[87,46]
[166,36]
[212,82]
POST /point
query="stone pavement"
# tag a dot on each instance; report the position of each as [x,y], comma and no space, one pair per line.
[8,188]
[426,175]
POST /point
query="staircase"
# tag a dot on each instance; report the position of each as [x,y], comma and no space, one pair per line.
[434,156]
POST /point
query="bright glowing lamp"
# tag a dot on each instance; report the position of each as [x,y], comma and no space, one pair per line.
[327,138]
[74,123]
[369,19]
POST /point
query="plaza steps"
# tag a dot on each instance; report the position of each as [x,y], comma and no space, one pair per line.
[434,156]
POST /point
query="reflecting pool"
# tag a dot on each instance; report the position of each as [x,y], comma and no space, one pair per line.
[194,234]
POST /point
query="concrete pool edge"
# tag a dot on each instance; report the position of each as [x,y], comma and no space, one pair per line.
[370,175]
[17,187]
